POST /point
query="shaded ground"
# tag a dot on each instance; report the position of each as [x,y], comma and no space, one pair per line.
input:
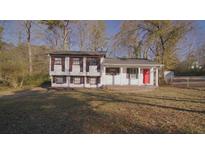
[161,110]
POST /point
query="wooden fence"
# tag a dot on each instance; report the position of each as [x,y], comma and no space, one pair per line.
[187,81]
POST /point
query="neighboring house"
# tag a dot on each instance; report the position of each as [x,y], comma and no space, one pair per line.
[93,69]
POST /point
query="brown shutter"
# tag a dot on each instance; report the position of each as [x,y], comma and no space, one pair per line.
[71,79]
[52,63]
[70,64]
[88,79]
[98,80]
[98,64]
[128,73]
[54,79]
[118,70]
[81,80]
[81,64]
[87,65]
[63,64]
[64,79]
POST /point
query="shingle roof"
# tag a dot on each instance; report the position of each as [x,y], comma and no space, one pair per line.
[128,61]
[108,61]
[78,53]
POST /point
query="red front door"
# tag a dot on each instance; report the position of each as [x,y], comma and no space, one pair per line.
[146,76]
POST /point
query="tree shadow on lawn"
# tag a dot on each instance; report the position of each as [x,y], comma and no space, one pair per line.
[200,101]
[36,112]
[117,98]
[41,112]
[197,88]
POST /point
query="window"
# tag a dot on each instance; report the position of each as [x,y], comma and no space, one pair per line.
[76,61]
[112,71]
[93,61]
[132,73]
[59,79]
[77,80]
[93,81]
[57,61]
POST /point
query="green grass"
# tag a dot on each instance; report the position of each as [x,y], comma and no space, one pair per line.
[162,110]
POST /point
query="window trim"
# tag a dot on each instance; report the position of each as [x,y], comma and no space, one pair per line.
[74,80]
[111,73]
[132,73]
[76,60]
[91,80]
[61,77]
[57,61]
[93,61]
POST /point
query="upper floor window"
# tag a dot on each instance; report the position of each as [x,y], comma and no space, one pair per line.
[57,61]
[132,73]
[76,61]
[93,61]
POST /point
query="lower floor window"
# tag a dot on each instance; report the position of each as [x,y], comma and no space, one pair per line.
[93,81]
[82,80]
[77,80]
[59,79]
[132,73]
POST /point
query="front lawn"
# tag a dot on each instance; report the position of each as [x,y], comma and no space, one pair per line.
[161,110]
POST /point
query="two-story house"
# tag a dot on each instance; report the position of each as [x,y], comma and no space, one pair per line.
[93,69]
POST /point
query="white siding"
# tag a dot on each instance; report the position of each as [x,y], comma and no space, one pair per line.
[76,68]
[119,79]
[76,85]
[93,69]
[151,76]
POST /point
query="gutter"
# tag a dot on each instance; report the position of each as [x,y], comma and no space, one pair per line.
[159,65]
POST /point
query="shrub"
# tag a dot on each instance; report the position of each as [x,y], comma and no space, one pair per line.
[36,80]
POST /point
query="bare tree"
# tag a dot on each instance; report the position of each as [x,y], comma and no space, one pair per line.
[65,27]
[58,33]
[82,29]
[28,26]
[159,38]
[91,35]
[97,36]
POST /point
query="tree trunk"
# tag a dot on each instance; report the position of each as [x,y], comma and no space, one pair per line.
[163,49]
[66,35]
[21,84]
[30,58]
[81,41]
[28,25]
[145,55]
[65,39]
[163,53]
